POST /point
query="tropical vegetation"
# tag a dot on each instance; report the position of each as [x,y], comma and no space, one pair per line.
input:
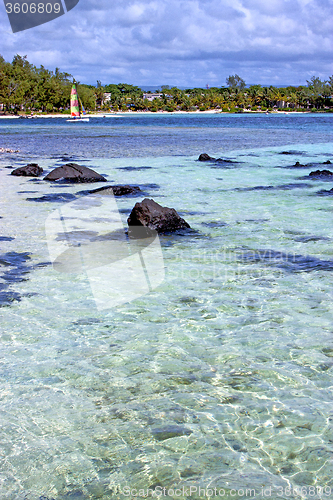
[24,88]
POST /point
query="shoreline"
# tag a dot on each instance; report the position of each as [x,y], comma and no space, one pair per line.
[152,113]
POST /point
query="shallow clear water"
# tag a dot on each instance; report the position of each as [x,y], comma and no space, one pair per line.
[221,377]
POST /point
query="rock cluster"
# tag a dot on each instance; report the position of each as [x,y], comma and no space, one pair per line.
[147,214]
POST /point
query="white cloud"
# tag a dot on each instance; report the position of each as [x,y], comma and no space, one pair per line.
[183,42]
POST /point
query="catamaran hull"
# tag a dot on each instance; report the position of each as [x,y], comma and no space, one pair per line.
[75,120]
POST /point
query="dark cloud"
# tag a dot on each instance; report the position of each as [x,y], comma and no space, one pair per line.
[183,42]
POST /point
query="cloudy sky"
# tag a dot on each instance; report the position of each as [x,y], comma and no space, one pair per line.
[182,42]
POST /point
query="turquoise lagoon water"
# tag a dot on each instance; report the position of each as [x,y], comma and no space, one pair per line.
[222,376]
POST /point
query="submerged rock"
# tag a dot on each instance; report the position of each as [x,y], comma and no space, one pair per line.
[72,172]
[118,190]
[289,262]
[56,197]
[307,239]
[324,192]
[30,170]
[131,169]
[14,268]
[170,431]
[6,298]
[291,152]
[150,214]
[283,187]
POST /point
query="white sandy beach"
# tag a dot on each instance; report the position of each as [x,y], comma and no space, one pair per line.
[126,113]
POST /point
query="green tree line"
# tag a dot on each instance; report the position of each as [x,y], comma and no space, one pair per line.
[234,97]
[26,88]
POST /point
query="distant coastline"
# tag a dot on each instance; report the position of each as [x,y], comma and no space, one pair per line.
[153,113]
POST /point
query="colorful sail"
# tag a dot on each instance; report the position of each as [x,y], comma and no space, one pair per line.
[75,110]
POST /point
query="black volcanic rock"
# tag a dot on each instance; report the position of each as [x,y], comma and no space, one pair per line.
[321,173]
[153,216]
[217,161]
[30,170]
[205,157]
[72,172]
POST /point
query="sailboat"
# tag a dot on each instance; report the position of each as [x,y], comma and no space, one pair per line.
[77,114]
